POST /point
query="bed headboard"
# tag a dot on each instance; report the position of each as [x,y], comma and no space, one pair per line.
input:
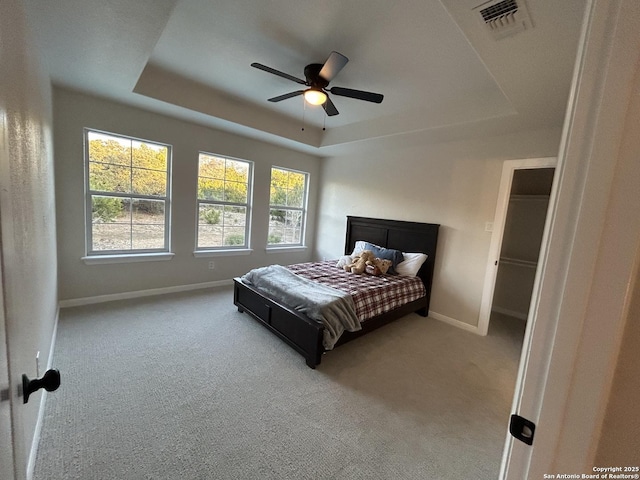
[399,235]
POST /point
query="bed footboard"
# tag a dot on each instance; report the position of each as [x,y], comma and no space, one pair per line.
[299,331]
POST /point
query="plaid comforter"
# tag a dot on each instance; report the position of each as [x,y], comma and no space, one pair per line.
[372,295]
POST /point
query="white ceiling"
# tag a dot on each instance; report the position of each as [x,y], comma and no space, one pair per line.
[435,62]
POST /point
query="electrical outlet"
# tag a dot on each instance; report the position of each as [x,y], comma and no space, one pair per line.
[212,265]
[488,227]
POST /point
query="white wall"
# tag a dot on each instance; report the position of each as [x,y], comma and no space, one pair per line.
[73,111]
[452,182]
[27,213]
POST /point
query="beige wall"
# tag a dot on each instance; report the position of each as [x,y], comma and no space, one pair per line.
[27,216]
[74,111]
[453,183]
[619,442]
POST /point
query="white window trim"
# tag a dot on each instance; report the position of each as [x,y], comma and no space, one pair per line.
[112,256]
[286,249]
[130,258]
[222,253]
[280,247]
[225,250]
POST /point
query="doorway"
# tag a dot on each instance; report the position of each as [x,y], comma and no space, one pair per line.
[518,226]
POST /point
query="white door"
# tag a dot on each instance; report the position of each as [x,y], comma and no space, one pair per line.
[588,255]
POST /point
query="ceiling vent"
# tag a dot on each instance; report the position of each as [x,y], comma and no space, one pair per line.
[504,18]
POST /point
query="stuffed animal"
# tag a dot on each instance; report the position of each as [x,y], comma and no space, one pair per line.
[378,266]
[359,262]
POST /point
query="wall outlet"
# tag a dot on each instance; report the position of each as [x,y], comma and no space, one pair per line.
[212,265]
[488,227]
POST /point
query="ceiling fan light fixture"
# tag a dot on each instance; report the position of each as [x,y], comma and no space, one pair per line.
[315,97]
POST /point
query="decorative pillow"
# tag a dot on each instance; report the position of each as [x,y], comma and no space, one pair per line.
[411,264]
[386,254]
[344,260]
[358,248]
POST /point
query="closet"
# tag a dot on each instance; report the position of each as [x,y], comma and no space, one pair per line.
[522,237]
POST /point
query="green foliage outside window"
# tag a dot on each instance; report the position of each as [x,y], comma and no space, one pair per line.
[116,168]
[223,199]
[287,188]
[106,209]
[234,239]
[212,217]
[138,169]
[222,179]
[128,190]
[287,202]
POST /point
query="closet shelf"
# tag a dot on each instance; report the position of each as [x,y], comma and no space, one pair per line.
[518,262]
[538,198]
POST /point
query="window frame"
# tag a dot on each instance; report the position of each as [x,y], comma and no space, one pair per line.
[142,253]
[248,206]
[303,210]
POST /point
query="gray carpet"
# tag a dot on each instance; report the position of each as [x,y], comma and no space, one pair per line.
[183,386]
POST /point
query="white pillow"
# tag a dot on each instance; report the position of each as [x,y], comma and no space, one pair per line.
[411,264]
[358,248]
[344,260]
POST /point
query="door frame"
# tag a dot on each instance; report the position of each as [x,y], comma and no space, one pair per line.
[7,459]
[508,169]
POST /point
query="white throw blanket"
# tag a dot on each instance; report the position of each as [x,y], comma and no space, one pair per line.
[334,308]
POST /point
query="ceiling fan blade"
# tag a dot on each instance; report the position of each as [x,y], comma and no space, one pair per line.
[330,108]
[359,94]
[333,65]
[286,95]
[278,72]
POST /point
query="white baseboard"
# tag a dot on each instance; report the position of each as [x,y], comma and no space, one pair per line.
[35,442]
[511,313]
[75,302]
[454,322]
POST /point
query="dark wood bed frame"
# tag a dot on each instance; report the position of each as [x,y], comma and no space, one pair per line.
[304,334]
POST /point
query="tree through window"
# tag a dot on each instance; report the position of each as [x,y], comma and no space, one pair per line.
[127,194]
[223,202]
[287,207]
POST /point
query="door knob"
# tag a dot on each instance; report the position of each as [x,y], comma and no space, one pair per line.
[50,381]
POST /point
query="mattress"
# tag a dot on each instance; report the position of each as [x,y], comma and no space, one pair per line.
[372,295]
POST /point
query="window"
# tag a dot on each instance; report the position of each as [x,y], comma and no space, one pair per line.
[287,207]
[224,186]
[127,194]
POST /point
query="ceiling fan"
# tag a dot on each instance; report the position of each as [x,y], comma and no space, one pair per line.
[317,77]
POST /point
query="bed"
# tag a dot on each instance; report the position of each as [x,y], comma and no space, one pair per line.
[306,334]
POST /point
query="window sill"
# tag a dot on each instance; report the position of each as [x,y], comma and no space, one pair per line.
[293,248]
[135,258]
[222,253]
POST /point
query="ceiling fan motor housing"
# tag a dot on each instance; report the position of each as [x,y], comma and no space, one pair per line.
[312,74]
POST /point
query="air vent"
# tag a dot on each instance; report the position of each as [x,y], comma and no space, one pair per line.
[504,18]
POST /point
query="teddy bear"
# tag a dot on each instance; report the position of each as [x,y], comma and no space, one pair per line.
[359,262]
[378,266]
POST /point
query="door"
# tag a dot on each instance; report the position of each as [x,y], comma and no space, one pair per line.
[514,269]
[588,257]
